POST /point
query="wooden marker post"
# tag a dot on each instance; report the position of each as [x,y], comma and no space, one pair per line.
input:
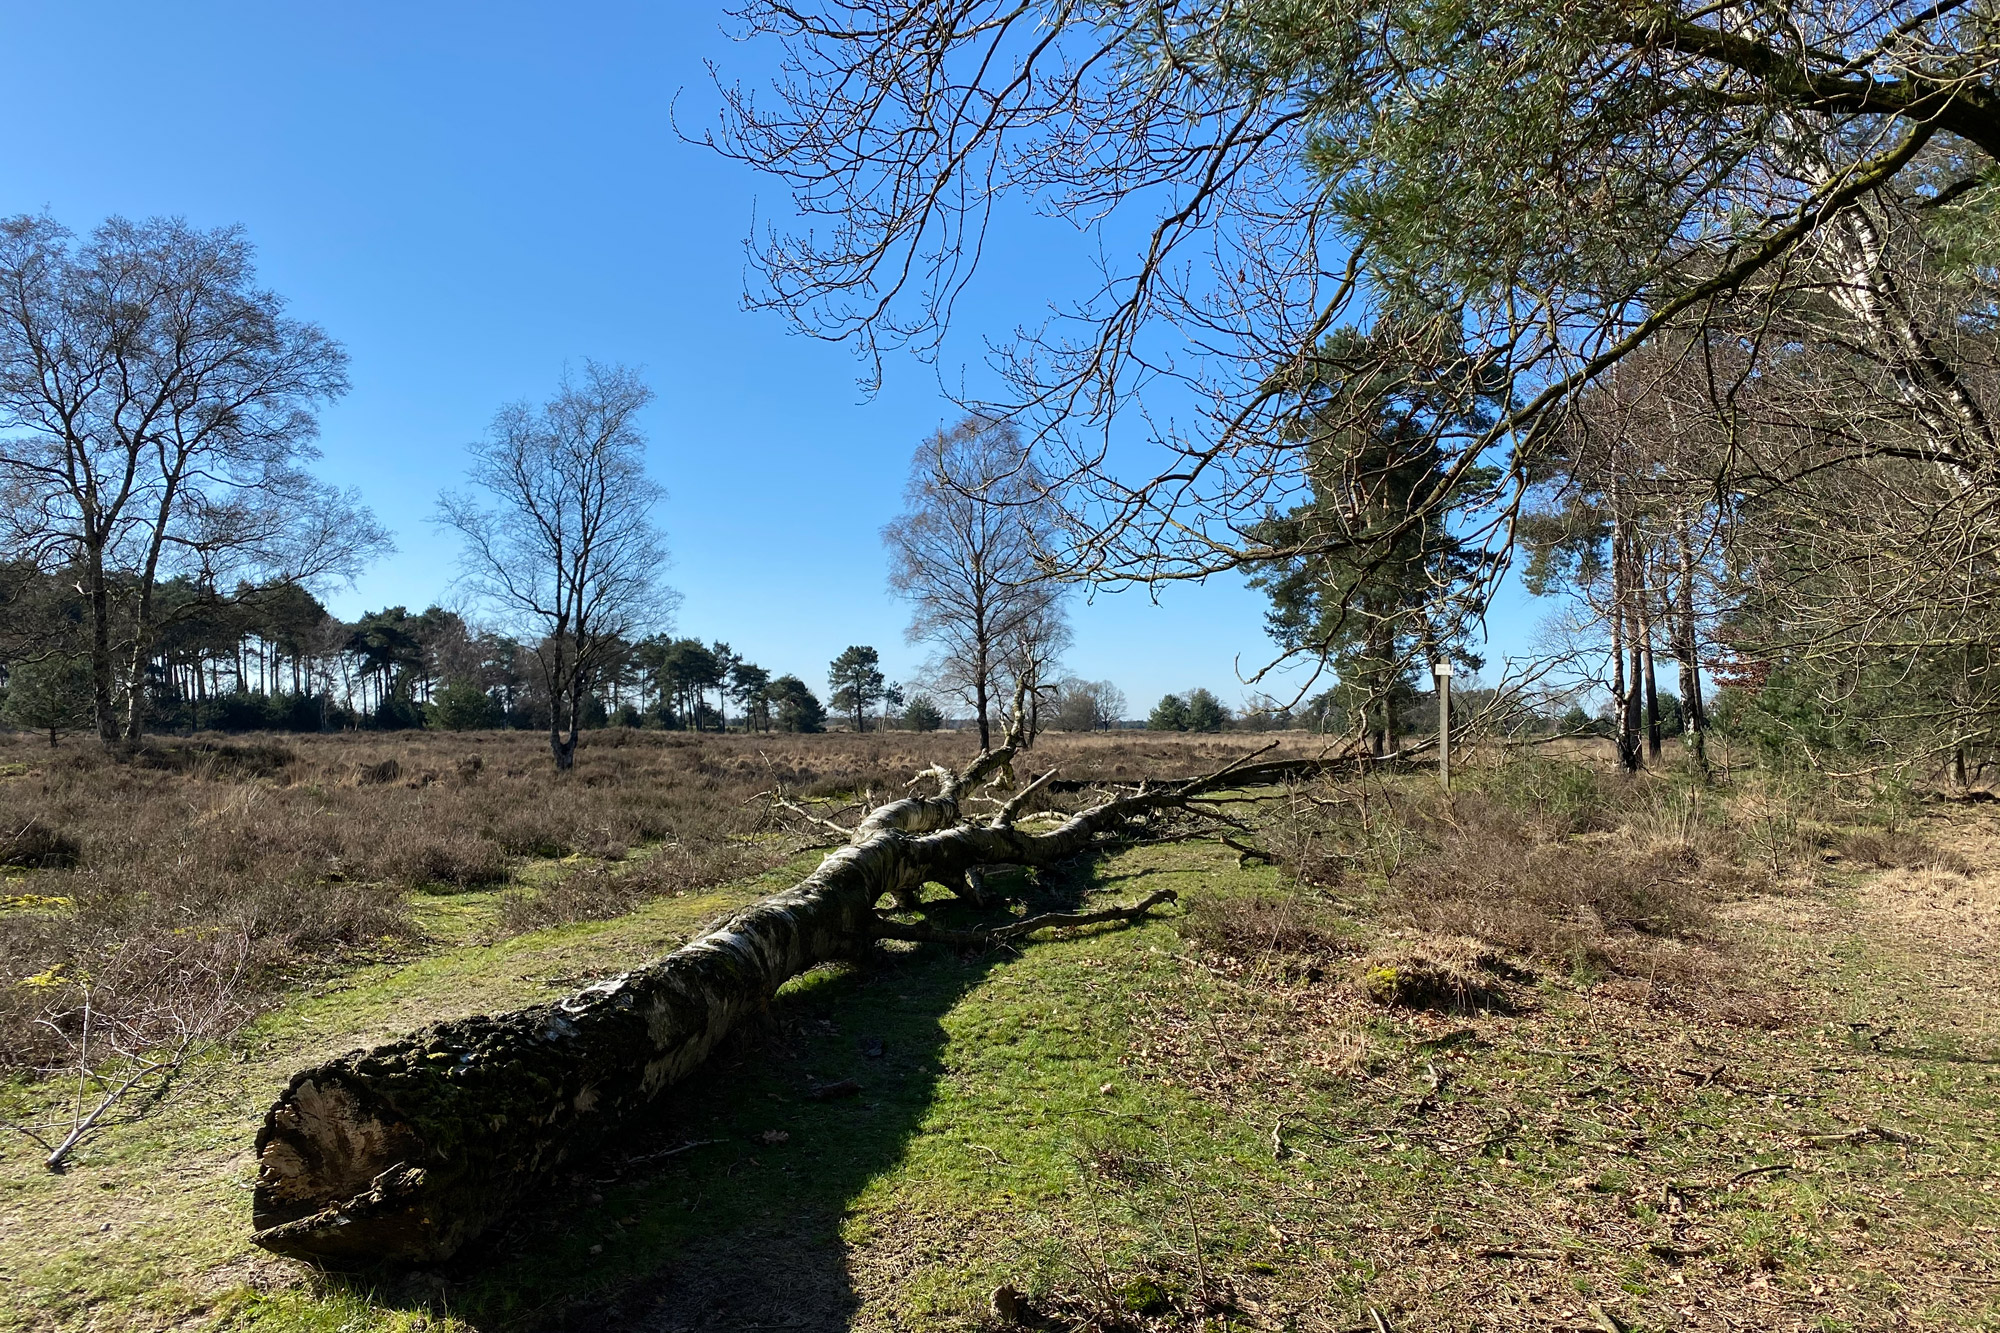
[1442,670]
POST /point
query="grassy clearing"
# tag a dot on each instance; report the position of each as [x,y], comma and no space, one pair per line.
[1751,1100]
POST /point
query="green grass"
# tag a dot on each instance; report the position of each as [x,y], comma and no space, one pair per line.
[143,1228]
[1119,1124]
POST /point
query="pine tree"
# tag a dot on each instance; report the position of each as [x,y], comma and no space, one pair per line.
[1369,575]
[856,677]
[52,695]
[1205,712]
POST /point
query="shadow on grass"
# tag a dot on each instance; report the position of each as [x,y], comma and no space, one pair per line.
[1943,1051]
[723,1209]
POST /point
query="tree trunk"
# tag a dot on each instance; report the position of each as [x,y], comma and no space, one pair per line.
[135,685]
[100,650]
[563,748]
[983,702]
[408,1151]
[1630,747]
[1922,375]
[1382,678]
[1618,644]
[1642,613]
[1652,691]
[566,686]
[1694,715]
[1624,682]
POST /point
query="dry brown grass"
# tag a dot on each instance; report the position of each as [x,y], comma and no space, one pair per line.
[1450,973]
[1557,867]
[1301,935]
[33,845]
[309,847]
[1601,903]
[1900,849]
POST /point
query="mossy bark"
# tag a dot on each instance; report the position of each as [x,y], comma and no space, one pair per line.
[408,1151]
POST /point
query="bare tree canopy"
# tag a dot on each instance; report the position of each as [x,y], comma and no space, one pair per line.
[1088,705]
[158,407]
[1540,185]
[559,539]
[966,553]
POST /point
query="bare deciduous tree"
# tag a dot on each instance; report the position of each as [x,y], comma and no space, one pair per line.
[1088,705]
[562,544]
[159,407]
[966,554]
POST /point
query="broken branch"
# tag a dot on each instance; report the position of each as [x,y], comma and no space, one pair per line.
[1011,811]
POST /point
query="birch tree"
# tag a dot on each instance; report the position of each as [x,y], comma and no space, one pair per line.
[559,533]
[157,409]
[965,553]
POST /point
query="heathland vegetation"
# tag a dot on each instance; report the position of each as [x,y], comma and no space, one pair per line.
[534,965]
[1556,1043]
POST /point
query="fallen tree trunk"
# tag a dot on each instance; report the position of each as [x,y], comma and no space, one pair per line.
[1276,772]
[407,1151]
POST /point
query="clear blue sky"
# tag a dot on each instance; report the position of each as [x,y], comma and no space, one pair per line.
[467,196]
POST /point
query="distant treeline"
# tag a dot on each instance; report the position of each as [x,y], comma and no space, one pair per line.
[1345,710]
[274,659]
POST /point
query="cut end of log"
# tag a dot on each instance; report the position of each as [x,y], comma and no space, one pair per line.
[337,1180]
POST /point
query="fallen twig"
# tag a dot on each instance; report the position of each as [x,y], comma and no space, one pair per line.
[1863,1133]
[841,831]
[1742,1176]
[1246,853]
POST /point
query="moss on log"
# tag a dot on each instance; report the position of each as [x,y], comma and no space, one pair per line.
[408,1151]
